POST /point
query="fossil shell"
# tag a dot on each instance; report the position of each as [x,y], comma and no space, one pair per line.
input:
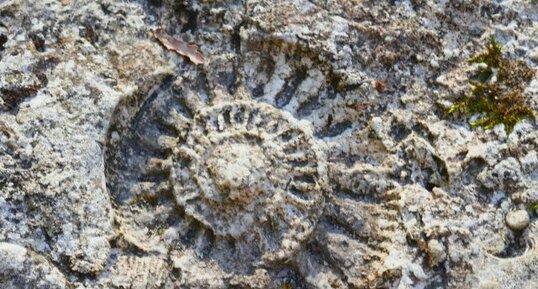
[231,180]
[251,172]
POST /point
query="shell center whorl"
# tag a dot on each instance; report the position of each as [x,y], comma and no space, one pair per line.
[238,171]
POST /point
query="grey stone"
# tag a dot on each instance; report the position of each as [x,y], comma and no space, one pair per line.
[311,149]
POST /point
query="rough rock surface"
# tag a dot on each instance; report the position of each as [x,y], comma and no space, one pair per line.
[311,149]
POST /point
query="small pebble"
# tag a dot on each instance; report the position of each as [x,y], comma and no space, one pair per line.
[517,220]
[434,63]
[436,252]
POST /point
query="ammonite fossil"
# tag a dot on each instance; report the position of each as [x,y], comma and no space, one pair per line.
[251,172]
[247,171]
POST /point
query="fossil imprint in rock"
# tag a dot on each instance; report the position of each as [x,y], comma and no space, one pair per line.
[250,169]
[247,170]
[243,169]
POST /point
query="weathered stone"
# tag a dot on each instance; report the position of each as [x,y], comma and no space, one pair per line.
[311,149]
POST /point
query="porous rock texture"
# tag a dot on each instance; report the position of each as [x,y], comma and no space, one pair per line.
[311,149]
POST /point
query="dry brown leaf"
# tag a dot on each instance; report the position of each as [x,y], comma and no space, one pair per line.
[380,85]
[179,46]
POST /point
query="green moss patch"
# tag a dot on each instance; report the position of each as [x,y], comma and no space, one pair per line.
[497,90]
